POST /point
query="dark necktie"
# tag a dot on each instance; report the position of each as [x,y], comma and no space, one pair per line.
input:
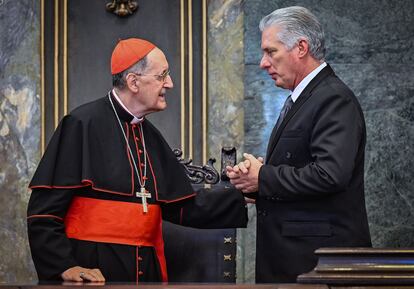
[288,104]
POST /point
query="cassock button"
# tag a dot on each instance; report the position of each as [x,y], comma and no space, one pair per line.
[139,258]
[140,273]
[142,165]
[288,155]
[140,151]
[145,178]
[136,138]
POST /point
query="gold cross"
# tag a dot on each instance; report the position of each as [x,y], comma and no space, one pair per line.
[144,195]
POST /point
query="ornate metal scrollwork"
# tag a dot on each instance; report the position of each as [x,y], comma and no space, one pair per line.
[199,174]
[122,8]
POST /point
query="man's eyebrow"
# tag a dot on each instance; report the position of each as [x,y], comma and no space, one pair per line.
[268,49]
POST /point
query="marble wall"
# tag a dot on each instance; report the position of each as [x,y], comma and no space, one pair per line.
[19,132]
[369,45]
[225,75]
[226,92]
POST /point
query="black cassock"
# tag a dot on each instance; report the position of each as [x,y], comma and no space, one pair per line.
[84,211]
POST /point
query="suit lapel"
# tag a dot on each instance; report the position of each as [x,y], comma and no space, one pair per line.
[303,97]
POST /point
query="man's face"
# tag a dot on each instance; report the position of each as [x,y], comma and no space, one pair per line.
[152,88]
[279,62]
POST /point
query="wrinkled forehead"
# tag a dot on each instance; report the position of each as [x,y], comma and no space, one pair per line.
[157,59]
[270,36]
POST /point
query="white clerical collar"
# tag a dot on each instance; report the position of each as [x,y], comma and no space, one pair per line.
[135,119]
[301,86]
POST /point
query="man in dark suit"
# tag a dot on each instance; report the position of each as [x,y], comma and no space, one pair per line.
[310,190]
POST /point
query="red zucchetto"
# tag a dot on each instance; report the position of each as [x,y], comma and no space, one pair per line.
[127,52]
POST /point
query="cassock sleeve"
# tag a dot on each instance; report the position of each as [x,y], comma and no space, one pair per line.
[51,249]
[217,208]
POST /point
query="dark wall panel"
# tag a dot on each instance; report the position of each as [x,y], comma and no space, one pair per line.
[93,33]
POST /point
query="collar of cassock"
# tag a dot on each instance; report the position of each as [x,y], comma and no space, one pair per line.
[123,111]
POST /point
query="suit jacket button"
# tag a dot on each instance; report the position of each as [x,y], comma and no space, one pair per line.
[288,155]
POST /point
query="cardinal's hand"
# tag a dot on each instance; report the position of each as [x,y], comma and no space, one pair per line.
[80,274]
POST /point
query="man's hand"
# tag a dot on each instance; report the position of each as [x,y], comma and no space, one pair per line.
[245,175]
[80,274]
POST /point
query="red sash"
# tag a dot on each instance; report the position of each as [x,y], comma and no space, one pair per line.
[118,223]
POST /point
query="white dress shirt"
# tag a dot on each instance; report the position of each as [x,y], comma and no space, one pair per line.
[302,85]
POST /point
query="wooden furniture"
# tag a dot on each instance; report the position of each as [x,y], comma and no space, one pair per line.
[362,266]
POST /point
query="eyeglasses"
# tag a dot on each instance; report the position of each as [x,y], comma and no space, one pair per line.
[160,77]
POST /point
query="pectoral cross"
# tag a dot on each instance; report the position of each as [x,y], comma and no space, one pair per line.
[144,195]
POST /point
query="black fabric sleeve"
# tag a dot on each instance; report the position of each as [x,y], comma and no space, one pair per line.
[216,208]
[51,249]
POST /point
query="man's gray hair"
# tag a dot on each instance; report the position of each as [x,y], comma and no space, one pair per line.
[297,23]
[119,79]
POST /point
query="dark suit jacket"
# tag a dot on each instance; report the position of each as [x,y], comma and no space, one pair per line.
[311,188]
